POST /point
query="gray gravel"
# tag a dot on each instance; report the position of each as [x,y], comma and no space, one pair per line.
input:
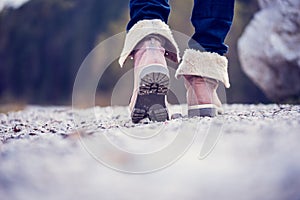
[257,156]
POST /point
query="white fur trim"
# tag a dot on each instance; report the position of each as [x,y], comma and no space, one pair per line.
[205,64]
[144,28]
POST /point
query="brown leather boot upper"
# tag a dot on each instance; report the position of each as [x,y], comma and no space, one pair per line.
[201,90]
[148,52]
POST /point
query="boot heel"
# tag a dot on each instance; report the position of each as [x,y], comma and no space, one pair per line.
[204,110]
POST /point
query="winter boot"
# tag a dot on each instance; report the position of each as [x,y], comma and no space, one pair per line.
[202,72]
[149,42]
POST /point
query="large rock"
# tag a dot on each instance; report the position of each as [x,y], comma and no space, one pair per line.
[269,49]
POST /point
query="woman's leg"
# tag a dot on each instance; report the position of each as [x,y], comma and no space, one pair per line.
[212,20]
[203,65]
[148,9]
[149,41]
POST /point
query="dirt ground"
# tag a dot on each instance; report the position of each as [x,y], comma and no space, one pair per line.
[249,152]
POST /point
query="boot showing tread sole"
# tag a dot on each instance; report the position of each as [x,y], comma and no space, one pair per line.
[150,102]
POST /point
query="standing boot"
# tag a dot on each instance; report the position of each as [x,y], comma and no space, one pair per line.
[202,73]
[149,42]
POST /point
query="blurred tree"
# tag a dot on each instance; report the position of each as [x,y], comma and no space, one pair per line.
[43,43]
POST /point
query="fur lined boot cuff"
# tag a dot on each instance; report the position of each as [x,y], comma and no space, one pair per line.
[144,28]
[205,64]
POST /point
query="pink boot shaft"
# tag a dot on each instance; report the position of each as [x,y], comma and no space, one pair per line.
[151,81]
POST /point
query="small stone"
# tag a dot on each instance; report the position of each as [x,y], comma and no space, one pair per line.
[16,129]
[176,116]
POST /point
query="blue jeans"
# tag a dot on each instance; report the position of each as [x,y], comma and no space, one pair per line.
[211,19]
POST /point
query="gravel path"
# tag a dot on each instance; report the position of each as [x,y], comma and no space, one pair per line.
[256,156]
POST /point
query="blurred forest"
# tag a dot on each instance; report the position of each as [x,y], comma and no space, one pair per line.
[44,42]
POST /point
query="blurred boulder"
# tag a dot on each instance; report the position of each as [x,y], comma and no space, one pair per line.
[269,49]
